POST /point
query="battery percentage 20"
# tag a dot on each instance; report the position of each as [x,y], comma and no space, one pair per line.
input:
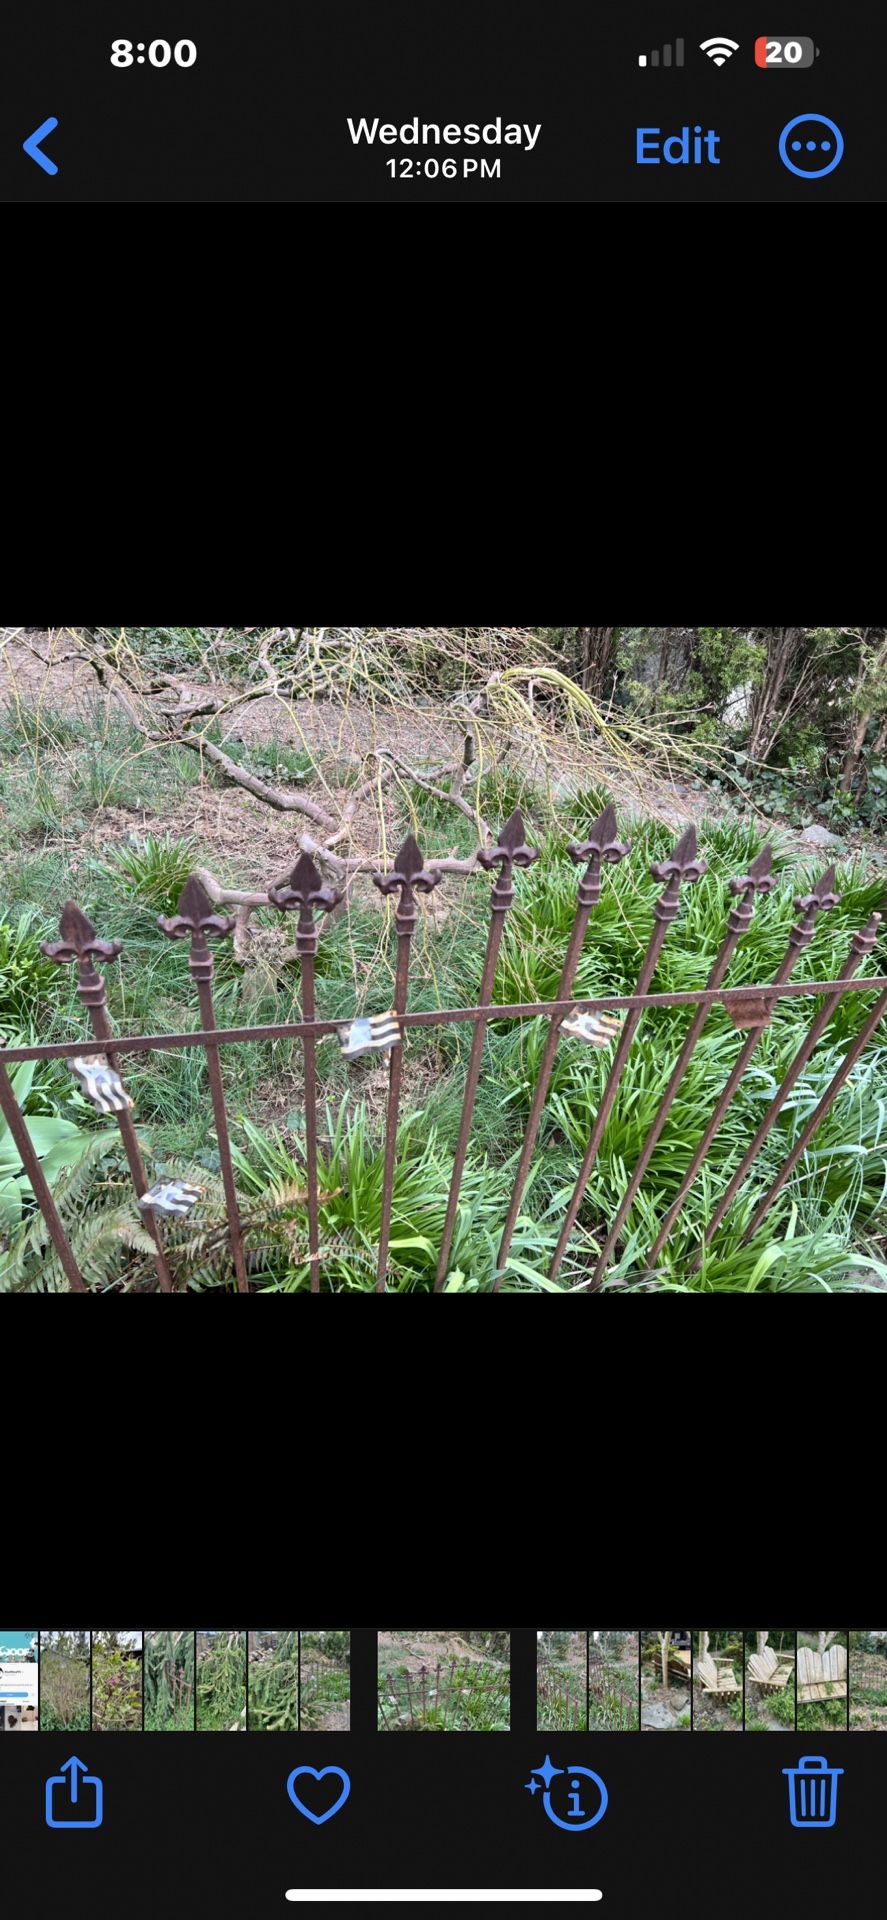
[776,50]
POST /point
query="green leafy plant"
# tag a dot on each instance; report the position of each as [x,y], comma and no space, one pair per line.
[27,978]
[154,869]
[169,1682]
[64,1682]
[274,1682]
[221,1682]
[116,1685]
[57,1143]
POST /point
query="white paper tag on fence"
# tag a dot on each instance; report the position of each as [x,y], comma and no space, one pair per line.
[372,1035]
[596,1028]
[170,1196]
[101,1084]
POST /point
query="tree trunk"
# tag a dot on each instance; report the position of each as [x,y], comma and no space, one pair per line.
[762,1640]
[781,647]
[824,1640]
[703,1645]
[663,1641]
[595,651]
[851,761]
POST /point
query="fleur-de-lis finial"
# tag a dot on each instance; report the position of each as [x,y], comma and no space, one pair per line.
[410,875]
[682,864]
[864,940]
[304,889]
[758,879]
[510,851]
[194,914]
[600,845]
[80,942]
[808,905]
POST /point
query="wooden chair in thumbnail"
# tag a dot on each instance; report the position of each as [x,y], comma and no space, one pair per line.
[822,1676]
[769,1669]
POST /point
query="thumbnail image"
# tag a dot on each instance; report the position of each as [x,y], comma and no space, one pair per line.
[822,1681]
[274,1682]
[868,1680]
[169,1682]
[612,1682]
[221,1682]
[18,1682]
[64,1681]
[665,1681]
[444,1682]
[561,1682]
[116,1682]
[325,1696]
[769,1680]
[717,1680]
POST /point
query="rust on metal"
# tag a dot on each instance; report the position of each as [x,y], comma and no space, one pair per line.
[407,877]
[861,944]
[511,851]
[15,1121]
[305,890]
[683,864]
[79,942]
[433,1017]
[601,847]
[807,905]
[594,1019]
[755,1010]
[194,915]
[818,1115]
[758,880]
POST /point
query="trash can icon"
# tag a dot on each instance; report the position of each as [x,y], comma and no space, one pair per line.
[813,1792]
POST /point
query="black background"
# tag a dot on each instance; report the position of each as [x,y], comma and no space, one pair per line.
[202,1823]
[262,115]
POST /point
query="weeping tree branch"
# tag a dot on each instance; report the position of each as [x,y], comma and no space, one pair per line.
[118,671]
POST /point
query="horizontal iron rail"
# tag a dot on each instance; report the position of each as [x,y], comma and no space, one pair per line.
[524,1010]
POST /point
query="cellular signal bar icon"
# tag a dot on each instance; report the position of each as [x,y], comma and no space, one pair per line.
[663,58]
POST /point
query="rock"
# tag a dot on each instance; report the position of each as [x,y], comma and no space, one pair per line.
[821,837]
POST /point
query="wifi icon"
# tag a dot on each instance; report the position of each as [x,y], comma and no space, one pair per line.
[719,48]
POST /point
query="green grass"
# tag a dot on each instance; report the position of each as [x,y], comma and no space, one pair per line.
[58,783]
[221,1683]
[459,1696]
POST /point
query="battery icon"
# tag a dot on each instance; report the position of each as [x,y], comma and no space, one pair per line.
[779,50]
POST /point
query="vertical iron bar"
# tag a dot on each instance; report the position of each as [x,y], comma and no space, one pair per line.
[79,942]
[16,1123]
[305,890]
[194,915]
[308,1045]
[758,879]
[819,1113]
[407,876]
[861,944]
[681,865]
[800,936]
[601,845]
[511,851]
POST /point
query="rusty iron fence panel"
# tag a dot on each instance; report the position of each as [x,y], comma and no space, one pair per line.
[99,1061]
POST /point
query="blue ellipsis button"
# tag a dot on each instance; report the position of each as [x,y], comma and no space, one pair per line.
[811,146]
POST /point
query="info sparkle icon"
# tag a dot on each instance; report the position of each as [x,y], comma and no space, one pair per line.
[572,1805]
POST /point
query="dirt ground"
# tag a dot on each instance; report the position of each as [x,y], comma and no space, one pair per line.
[424,733]
[417,1650]
[868,1686]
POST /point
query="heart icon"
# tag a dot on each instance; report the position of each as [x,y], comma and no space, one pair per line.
[318,1818]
